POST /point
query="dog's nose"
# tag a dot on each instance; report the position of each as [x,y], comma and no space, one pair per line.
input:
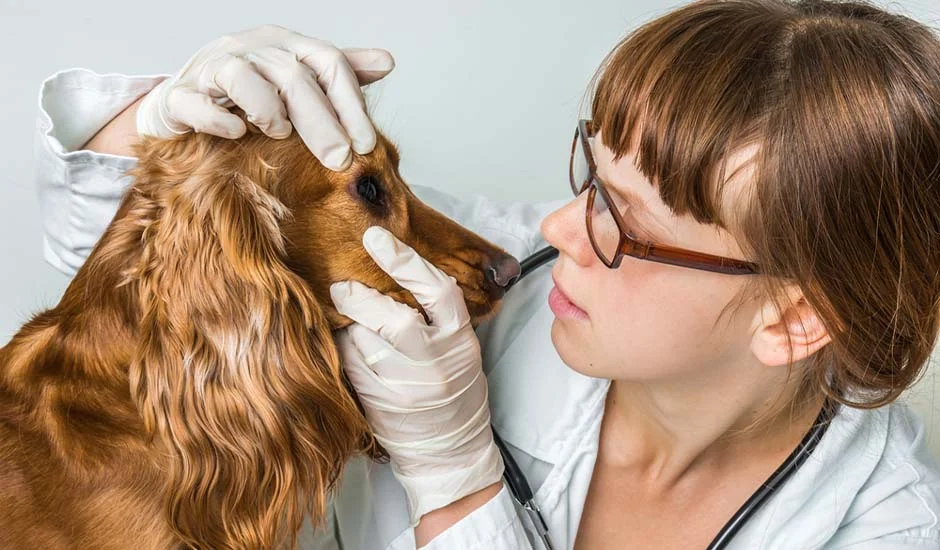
[503,270]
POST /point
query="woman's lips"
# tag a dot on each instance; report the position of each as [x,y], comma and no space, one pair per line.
[562,306]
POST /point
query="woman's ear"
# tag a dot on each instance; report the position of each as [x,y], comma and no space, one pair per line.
[235,372]
[788,333]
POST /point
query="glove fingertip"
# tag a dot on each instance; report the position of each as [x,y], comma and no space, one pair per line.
[364,144]
[337,159]
[339,292]
[374,237]
[281,129]
[370,64]
[226,125]
[236,126]
[347,292]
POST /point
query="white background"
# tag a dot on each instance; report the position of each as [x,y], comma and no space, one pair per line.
[483,100]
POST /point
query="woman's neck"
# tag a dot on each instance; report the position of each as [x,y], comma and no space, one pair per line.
[664,432]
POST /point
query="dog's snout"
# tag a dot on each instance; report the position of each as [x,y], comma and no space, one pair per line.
[503,270]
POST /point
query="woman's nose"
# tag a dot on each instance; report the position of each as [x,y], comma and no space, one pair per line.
[503,270]
[565,229]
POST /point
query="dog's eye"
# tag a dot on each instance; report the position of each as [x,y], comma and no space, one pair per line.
[368,188]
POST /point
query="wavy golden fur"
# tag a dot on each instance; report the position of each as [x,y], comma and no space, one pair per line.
[186,391]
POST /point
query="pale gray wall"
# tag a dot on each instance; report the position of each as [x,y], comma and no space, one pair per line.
[483,100]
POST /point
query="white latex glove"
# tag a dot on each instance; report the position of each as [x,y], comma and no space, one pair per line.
[276,76]
[422,385]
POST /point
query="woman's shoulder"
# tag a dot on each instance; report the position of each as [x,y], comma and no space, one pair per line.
[907,458]
[894,434]
[906,436]
[892,481]
[870,481]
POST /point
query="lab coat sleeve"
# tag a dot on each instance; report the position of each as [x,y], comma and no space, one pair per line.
[496,524]
[79,190]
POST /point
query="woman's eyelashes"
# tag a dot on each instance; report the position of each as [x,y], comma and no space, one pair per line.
[631,225]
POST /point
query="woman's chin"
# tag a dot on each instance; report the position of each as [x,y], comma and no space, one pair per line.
[573,348]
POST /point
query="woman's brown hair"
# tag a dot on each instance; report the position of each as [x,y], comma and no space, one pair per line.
[842,100]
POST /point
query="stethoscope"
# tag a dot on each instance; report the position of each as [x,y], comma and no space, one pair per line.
[519,487]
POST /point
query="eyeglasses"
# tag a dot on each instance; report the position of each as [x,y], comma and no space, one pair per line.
[608,224]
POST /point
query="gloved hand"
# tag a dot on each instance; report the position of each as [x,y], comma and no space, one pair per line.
[422,385]
[276,76]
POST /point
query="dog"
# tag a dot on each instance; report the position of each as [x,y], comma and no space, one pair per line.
[186,391]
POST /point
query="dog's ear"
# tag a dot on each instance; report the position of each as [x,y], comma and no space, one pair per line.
[235,372]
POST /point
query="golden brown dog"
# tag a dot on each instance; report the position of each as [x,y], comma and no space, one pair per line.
[186,391]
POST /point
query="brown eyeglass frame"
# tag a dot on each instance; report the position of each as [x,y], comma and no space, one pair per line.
[628,245]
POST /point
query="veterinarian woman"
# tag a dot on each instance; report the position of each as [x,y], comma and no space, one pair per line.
[753,239]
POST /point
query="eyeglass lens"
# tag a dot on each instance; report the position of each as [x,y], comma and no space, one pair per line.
[602,227]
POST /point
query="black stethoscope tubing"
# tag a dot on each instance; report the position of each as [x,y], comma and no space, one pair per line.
[519,487]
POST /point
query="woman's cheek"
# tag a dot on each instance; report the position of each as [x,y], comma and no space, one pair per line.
[641,326]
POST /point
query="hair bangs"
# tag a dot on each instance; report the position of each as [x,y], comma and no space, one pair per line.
[684,93]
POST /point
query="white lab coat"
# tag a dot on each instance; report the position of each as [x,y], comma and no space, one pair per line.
[870,483]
